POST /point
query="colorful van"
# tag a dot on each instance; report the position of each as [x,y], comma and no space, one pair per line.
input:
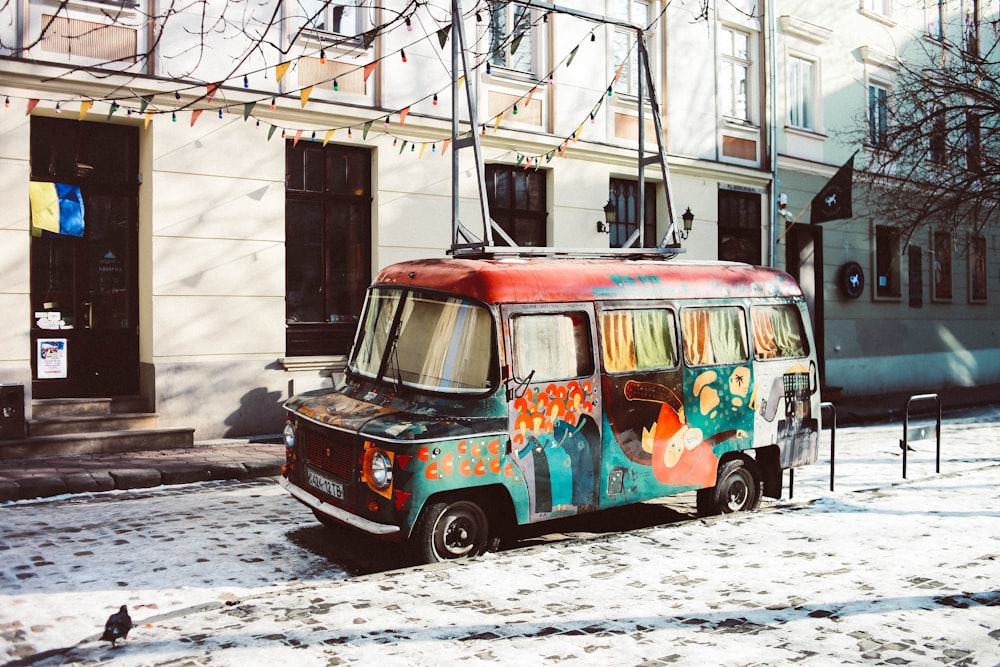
[485,393]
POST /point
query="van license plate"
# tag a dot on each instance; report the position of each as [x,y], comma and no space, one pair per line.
[327,486]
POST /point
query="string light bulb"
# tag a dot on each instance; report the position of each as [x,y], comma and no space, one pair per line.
[177,95]
[386,123]
[58,108]
[348,133]
[402,54]
[274,101]
[322,56]
[336,86]
[435,100]
[484,130]
[246,81]
[488,68]
[173,116]
[515,110]
[6,103]
[220,112]
[313,137]
[409,26]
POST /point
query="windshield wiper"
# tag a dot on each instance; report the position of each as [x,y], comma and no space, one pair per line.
[390,345]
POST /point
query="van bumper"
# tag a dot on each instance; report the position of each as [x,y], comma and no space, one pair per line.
[336,513]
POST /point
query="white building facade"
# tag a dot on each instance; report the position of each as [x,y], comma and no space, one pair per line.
[243,177]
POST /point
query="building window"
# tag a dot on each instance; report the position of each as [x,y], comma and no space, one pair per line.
[517,201]
[624,196]
[878,115]
[327,245]
[880,7]
[626,51]
[340,18]
[739,226]
[938,140]
[801,93]
[942,266]
[511,36]
[970,28]
[978,289]
[734,79]
[887,256]
[935,11]
[973,153]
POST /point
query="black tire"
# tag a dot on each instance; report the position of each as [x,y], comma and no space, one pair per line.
[738,488]
[449,530]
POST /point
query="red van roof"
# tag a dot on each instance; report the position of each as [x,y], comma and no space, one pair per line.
[536,280]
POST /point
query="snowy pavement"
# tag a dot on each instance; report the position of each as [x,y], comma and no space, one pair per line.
[878,571]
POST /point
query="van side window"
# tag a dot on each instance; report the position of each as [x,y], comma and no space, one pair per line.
[715,335]
[638,340]
[777,332]
[551,346]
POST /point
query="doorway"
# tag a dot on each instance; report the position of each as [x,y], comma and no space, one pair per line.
[84,289]
[804,262]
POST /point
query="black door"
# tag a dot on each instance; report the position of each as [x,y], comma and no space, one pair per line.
[87,282]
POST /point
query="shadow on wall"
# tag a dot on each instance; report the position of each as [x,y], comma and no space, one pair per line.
[259,413]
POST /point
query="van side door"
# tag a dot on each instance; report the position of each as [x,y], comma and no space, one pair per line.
[554,408]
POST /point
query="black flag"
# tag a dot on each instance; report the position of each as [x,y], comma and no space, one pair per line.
[834,201]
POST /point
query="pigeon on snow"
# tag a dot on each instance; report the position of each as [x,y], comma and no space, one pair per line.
[117,626]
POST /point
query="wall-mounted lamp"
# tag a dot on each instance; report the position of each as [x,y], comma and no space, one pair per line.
[604,226]
[688,218]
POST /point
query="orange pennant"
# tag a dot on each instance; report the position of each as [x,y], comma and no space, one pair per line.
[194,116]
[85,107]
[402,115]
[369,68]
[32,103]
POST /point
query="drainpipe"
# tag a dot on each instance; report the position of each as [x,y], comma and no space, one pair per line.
[772,128]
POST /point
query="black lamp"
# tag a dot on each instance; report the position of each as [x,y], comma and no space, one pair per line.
[688,218]
[604,226]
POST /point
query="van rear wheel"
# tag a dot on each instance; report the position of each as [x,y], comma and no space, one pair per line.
[738,488]
[449,530]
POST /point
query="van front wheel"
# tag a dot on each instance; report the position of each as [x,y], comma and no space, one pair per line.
[737,489]
[449,530]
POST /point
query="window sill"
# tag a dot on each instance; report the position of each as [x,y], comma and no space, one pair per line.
[326,365]
[334,43]
[806,132]
[884,20]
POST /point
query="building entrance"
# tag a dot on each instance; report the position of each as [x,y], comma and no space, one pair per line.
[84,276]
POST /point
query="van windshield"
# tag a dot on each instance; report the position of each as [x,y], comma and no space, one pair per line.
[426,341]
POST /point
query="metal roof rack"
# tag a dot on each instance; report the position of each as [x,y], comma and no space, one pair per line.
[465,243]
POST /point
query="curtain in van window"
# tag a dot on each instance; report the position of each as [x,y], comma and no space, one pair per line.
[552,347]
[654,339]
[728,341]
[618,341]
[777,332]
[697,342]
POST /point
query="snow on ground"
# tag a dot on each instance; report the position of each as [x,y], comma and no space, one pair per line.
[878,571]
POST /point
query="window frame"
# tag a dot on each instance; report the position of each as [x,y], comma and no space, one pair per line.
[881,8]
[888,263]
[878,114]
[799,99]
[973,142]
[511,216]
[504,58]
[750,229]
[935,15]
[978,269]
[729,60]
[628,83]
[328,11]
[333,204]
[744,330]
[622,194]
[942,266]
[631,310]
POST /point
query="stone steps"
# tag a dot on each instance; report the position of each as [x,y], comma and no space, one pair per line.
[75,426]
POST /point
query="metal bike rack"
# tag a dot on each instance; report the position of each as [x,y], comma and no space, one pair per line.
[906,429]
[833,448]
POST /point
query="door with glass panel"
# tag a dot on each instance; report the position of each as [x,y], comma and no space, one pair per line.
[553,407]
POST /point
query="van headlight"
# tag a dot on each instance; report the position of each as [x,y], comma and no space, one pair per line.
[288,434]
[381,470]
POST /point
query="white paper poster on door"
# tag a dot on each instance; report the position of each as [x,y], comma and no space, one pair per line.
[51,362]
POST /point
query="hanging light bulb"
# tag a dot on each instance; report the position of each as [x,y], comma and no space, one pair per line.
[246,81]
[58,109]
[409,26]
[322,56]
[402,54]
[177,95]
[551,80]
[488,68]
[435,100]
[336,86]
[6,103]
[282,133]
[515,109]
[220,112]
[114,107]
[609,91]
[593,37]
[386,123]
[394,141]
[173,116]
[484,130]
[592,117]
[258,122]
[313,137]
[274,101]
[433,148]
[348,133]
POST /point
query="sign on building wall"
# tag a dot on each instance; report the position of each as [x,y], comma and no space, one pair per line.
[51,362]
